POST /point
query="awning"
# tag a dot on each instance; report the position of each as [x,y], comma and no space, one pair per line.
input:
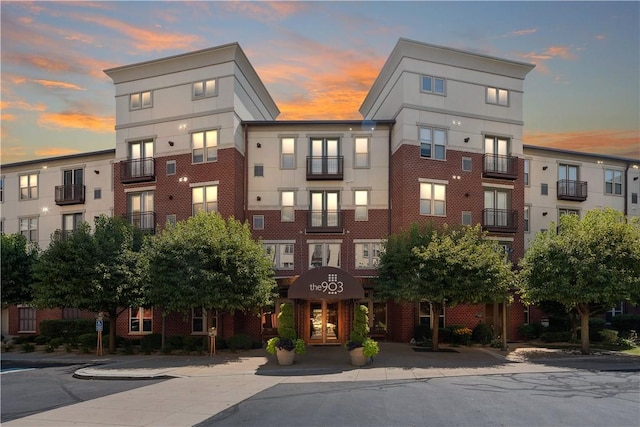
[326,283]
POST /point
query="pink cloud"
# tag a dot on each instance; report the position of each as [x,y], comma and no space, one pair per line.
[623,143]
[77,120]
[55,151]
[57,84]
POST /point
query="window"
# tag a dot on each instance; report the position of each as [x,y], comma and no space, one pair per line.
[204,146]
[613,181]
[527,165]
[140,320]
[497,96]
[97,193]
[199,320]
[324,254]
[70,313]
[432,199]
[281,254]
[288,153]
[324,209]
[615,311]
[171,220]
[377,314]
[141,163]
[140,210]
[362,202]
[171,167]
[432,142]
[258,170]
[140,100]
[70,223]
[466,218]
[466,164]
[26,319]
[497,157]
[204,198]
[544,189]
[562,211]
[426,315]
[434,85]
[29,228]
[287,206]
[526,212]
[205,89]
[527,315]
[505,247]
[361,157]
[368,254]
[634,198]
[29,186]
[325,157]
[258,222]
[497,208]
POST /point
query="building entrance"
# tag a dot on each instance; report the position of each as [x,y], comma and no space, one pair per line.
[325,322]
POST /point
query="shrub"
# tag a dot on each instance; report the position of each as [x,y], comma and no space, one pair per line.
[41,339]
[626,322]
[49,349]
[625,344]
[88,341]
[8,348]
[608,336]
[55,342]
[482,334]
[496,343]
[555,337]
[421,332]
[174,342]
[444,335]
[151,342]
[128,347]
[240,342]
[68,329]
[27,347]
[595,326]
[461,335]
[194,343]
[531,330]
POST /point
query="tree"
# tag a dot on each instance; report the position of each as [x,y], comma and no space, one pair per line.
[18,258]
[584,261]
[99,271]
[456,266]
[208,262]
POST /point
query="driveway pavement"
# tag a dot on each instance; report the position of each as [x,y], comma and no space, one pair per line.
[203,386]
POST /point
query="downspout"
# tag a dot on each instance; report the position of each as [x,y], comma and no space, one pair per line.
[246,172]
[390,175]
[626,190]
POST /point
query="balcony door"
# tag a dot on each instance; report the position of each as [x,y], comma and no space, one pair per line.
[496,204]
[324,209]
[140,210]
[72,181]
[325,154]
[496,150]
[324,322]
[138,152]
[568,175]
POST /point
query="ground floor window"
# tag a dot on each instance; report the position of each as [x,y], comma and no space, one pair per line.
[377,314]
[426,315]
[615,311]
[70,313]
[26,319]
[200,319]
[141,320]
[527,315]
[324,254]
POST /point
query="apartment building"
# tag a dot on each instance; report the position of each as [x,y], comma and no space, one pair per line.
[440,140]
[39,197]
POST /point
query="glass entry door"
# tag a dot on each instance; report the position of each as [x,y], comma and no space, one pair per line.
[324,322]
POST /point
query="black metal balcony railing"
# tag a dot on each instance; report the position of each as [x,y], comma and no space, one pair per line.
[324,221]
[325,168]
[499,166]
[572,190]
[69,194]
[138,170]
[144,221]
[500,220]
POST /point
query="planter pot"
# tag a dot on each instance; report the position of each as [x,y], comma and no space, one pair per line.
[357,356]
[285,357]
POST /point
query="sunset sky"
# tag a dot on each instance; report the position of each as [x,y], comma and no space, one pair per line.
[318,60]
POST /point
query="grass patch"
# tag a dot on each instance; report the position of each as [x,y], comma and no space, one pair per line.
[633,352]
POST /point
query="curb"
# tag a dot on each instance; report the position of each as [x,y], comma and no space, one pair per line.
[113,374]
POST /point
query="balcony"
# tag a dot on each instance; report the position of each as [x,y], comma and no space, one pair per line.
[500,220]
[324,222]
[144,221]
[137,170]
[324,168]
[69,195]
[499,166]
[572,190]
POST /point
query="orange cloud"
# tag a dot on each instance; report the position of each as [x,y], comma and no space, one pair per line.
[539,58]
[142,39]
[523,32]
[14,153]
[76,120]
[603,141]
[21,105]
[56,84]
[55,151]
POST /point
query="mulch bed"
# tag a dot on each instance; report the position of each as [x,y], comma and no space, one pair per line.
[429,349]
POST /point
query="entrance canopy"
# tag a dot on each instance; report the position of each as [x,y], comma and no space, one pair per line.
[326,283]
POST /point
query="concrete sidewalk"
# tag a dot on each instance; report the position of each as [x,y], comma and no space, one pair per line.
[202,386]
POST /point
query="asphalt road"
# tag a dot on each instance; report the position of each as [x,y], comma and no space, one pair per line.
[572,398]
[30,388]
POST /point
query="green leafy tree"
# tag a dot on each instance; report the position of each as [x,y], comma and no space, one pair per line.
[594,260]
[208,262]
[99,271]
[443,264]
[18,258]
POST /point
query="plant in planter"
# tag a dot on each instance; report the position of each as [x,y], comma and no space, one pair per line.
[287,344]
[361,347]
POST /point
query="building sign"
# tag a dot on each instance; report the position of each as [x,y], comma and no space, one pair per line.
[326,283]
